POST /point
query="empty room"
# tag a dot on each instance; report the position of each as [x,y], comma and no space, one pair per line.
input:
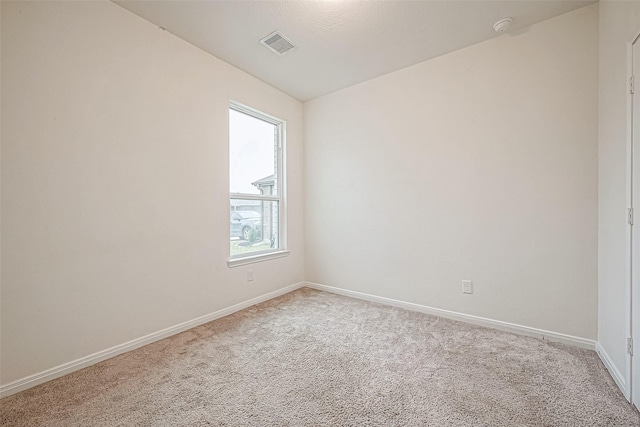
[319,213]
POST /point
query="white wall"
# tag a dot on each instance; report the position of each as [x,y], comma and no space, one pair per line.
[619,23]
[481,165]
[115,210]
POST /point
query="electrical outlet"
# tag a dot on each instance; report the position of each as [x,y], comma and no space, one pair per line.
[467,287]
[250,276]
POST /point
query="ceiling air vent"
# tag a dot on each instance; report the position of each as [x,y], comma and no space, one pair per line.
[278,43]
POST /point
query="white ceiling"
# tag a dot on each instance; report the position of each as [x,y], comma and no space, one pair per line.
[340,43]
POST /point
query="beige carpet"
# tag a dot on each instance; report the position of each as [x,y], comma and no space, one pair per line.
[311,358]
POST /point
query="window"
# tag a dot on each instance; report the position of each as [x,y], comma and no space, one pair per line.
[256,190]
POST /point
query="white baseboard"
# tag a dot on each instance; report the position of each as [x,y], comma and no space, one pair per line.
[467,318]
[67,368]
[613,370]
[83,362]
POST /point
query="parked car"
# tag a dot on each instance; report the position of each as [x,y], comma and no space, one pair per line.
[246,225]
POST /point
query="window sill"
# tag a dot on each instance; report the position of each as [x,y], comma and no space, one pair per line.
[236,262]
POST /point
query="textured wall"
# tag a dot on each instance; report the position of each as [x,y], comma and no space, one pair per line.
[480,165]
[115,210]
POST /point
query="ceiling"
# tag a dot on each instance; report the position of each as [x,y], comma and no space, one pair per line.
[339,43]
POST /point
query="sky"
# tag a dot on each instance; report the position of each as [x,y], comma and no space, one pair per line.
[251,151]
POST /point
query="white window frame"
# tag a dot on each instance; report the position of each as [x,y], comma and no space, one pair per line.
[280,196]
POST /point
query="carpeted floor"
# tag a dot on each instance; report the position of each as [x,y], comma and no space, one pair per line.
[311,358]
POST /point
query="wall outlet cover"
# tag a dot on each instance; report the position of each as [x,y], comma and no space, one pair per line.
[467,287]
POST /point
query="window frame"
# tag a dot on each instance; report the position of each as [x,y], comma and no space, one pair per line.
[279,197]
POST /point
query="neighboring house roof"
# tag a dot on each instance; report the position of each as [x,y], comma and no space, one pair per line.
[266,181]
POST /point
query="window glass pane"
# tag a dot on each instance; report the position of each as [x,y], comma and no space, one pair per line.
[253,155]
[253,226]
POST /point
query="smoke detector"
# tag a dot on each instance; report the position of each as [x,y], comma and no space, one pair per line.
[278,43]
[502,25]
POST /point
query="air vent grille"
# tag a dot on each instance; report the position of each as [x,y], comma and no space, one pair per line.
[278,43]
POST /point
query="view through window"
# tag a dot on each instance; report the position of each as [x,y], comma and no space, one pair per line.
[255,170]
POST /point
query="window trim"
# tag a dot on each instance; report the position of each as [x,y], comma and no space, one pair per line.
[280,197]
[237,262]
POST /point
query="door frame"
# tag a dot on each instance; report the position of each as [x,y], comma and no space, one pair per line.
[632,290]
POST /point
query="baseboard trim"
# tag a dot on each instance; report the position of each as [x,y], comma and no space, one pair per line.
[613,370]
[83,362]
[467,318]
